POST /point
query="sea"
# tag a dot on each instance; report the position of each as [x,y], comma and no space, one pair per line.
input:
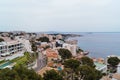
[99,44]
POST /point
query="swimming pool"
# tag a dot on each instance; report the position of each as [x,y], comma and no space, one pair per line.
[59,68]
[2,66]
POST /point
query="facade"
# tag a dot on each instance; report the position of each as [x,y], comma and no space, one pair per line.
[27,45]
[50,37]
[59,36]
[11,47]
[118,69]
[71,47]
[53,45]
[100,67]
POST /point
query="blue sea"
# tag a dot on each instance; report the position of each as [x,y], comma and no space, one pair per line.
[99,44]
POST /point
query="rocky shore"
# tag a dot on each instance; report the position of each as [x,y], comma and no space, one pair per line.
[66,36]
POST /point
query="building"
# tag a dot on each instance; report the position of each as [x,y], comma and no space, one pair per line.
[72,41]
[10,47]
[118,69]
[18,45]
[100,66]
[26,43]
[51,55]
[59,36]
[53,45]
[71,47]
[50,37]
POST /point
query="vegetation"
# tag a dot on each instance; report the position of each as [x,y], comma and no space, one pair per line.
[65,53]
[46,47]
[79,50]
[2,61]
[113,61]
[71,63]
[1,40]
[43,39]
[89,73]
[74,70]
[54,38]
[25,60]
[87,61]
[19,73]
[34,47]
[52,75]
[81,70]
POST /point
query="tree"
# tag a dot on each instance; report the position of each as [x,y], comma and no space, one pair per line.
[89,73]
[46,47]
[34,47]
[52,75]
[19,73]
[7,74]
[99,74]
[31,57]
[87,61]
[43,39]
[71,63]
[1,40]
[113,61]
[27,74]
[79,50]
[65,53]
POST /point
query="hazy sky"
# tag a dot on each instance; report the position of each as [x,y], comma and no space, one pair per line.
[60,15]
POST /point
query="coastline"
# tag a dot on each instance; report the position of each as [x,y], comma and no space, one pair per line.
[99,44]
[67,36]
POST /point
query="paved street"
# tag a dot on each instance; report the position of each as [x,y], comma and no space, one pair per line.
[41,62]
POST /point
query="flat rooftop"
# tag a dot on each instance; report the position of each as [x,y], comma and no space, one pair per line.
[99,66]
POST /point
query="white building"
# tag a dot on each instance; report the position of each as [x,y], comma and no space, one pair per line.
[53,45]
[18,45]
[27,45]
[100,66]
[71,47]
[50,37]
[118,69]
[11,47]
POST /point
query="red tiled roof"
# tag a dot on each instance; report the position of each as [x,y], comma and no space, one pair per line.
[51,53]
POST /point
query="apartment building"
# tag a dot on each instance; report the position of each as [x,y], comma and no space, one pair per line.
[71,47]
[26,43]
[11,47]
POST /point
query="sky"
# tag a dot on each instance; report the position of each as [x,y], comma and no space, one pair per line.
[60,15]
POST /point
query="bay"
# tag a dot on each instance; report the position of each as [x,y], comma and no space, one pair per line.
[99,44]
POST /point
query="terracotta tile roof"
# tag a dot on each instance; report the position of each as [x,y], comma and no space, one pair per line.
[50,64]
[51,53]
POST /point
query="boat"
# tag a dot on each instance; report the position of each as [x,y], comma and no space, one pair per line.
[86,53]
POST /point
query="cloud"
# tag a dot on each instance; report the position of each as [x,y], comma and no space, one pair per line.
[58,14]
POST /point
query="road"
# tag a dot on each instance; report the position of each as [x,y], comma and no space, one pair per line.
[41,62]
